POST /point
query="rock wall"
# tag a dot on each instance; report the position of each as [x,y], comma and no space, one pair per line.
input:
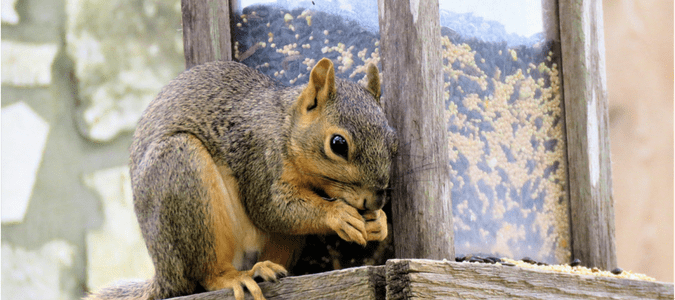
[76,75]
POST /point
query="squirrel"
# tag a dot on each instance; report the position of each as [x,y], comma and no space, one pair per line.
[230,170]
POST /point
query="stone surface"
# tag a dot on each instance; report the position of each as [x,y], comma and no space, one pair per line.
[116,251]
[28,275]
[24,134]
[9,14]
[25,64]
[123,55]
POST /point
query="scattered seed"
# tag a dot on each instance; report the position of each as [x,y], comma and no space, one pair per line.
[617,271]
[529,260]
[494,259]
[476,259]
[575,262]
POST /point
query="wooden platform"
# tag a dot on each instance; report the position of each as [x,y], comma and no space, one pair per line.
[432,279]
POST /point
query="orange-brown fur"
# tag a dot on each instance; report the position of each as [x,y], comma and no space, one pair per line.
[230,170]
[234,234]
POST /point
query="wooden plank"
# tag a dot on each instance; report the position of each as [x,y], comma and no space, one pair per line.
[421,278]
[206,31]
[587,122]
[413,99]
[416,279]
[354,283]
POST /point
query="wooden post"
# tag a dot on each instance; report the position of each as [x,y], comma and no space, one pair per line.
[587,120]
[206,31]
[413,85]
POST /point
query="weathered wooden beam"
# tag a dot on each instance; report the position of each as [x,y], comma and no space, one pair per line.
[353,283]
[413,99]
[206,31]
[587,122]
[424,279]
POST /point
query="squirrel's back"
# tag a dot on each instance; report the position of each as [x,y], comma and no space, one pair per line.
[212,101]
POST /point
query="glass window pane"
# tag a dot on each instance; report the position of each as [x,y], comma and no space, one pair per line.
[285,39]
[506,128]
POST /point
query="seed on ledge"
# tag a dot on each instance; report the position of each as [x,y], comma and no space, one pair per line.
[617,271]
[529,260]
[465,258]
[492,259]
[477,259]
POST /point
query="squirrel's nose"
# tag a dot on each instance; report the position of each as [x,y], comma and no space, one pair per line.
[376,201]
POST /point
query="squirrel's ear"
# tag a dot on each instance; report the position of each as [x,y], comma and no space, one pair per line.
[321,84]
[373,78]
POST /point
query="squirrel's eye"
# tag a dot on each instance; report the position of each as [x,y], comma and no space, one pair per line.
[338,145]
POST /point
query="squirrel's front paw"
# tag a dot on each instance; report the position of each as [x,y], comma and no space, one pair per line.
[376,225]
[346,221]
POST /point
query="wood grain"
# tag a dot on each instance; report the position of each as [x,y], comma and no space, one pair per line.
[424,279]
[434,279]
[413,100]
[353,283]
[206,31]
[587,122]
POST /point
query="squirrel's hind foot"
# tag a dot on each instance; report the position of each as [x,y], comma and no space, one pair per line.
[267,271]
[234,279]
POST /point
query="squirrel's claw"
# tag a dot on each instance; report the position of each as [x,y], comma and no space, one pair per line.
[268,271]
[376,225]
[234,280]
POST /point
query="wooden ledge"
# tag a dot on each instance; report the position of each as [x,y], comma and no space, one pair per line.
[420,278]
[353,283]
[417,278]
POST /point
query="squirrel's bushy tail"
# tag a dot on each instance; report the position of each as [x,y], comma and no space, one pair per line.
[124,290]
